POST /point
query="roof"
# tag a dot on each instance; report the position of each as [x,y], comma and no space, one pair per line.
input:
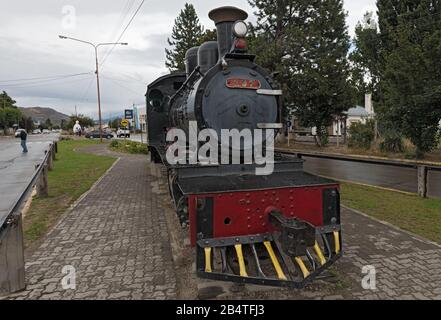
[357,111]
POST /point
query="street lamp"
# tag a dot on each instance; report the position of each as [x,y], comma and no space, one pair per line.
[96,46]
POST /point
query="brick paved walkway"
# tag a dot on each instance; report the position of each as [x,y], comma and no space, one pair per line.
[116,238]
[407,267]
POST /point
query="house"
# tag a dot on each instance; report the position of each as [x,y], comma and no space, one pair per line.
[357,114]
[141,119]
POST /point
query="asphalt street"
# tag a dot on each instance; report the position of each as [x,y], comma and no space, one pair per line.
[403,179]
[17,168]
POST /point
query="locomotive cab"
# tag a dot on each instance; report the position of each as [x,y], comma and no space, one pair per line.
[158,109]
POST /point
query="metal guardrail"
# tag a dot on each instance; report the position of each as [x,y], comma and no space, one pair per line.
[46,164]
[11,231]
[421,167]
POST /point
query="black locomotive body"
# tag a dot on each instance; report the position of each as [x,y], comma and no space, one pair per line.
[280,229]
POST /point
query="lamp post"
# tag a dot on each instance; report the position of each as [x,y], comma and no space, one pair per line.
[96,46]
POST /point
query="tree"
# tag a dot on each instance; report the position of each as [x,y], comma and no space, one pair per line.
[187,33]
[305,44]
[269,36]
[366,59]
[6,101]
[208,35]
[412,76]
[48,124]
[10,115]
[64,125]
[318,65]
[85,122]
[115,123]
[27,123]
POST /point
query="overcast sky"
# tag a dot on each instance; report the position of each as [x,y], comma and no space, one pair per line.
[30,48]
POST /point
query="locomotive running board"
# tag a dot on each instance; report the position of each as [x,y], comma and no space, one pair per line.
[260,259]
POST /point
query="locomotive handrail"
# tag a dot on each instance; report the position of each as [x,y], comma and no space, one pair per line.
[184,85]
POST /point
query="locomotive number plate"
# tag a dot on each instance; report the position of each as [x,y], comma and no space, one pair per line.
[236,83]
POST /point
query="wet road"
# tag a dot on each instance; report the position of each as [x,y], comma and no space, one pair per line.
[403,179]
[16,168]
[137,138]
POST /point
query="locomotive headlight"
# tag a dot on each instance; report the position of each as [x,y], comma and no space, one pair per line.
[240,29]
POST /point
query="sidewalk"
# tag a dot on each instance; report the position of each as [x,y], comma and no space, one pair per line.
[116,238]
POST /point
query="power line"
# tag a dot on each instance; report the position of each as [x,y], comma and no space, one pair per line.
[126,9]
[122,33]
[129,78]
[83,98]
[39,83]
[122,17]
[117,82]
[47,78]
[44,84]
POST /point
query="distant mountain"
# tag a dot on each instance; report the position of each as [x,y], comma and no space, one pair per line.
[42,114]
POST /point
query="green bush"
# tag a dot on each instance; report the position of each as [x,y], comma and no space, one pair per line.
[131,147]
[114,144]
[392,143]
[361,135]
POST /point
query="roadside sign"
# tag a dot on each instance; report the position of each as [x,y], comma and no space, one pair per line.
[129,114]
[124,123]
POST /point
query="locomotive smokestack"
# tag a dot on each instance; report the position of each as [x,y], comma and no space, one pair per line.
[224,18]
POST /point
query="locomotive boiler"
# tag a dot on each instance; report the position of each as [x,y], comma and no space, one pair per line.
[281,229]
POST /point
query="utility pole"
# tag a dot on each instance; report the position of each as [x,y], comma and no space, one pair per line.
[142,129]
[96,46]
[99,95]
[134,119]
[338,132]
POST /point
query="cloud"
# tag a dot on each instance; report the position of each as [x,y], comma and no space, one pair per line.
[30,47]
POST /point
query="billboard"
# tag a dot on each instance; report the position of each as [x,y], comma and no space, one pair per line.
[128,114]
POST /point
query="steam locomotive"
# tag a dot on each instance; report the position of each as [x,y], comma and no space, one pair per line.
[281,229]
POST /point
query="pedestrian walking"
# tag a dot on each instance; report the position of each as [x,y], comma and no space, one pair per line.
[24,137]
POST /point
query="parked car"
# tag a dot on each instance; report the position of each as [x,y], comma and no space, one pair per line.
[96,135]
[46,131]
[36,131]
[18,132]
[123,133]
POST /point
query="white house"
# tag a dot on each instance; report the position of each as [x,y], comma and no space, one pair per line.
[141,119]
[357,114]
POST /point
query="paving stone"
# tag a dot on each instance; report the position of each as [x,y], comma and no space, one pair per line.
[117,240]
[103,237]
